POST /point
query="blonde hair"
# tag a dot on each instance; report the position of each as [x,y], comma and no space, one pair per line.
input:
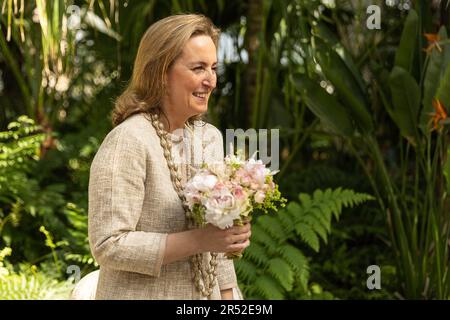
[160,46]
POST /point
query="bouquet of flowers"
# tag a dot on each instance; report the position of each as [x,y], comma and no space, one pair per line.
[226,194]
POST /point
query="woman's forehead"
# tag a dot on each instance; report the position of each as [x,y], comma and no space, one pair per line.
[199,48]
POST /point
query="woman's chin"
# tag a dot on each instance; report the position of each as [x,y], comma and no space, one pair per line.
[197,108]
[200,109]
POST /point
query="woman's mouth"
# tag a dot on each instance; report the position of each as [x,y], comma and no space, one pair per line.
[201,96]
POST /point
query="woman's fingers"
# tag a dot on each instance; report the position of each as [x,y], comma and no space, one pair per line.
[239,246]
[235,238]
[240,229]
[238,238]
[243,236]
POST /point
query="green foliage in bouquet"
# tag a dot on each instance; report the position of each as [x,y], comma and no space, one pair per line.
[274,266]
[272,201]
[198,214]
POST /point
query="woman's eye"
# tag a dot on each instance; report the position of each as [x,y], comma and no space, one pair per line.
[199,68]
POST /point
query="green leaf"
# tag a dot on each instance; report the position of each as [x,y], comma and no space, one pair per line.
[322,31]
[259,235]
[308,235]
[335,69]
[324,106]
[287,221]
[273,227]
[257,253]
[33,287]
[446,170]
[443,91]
[294,257]
[406,51]
[319,225]
[406,100]
[246,270]
[282,265]
[305,201]
[281,271]
[293,207]
[323,214]
[269,288]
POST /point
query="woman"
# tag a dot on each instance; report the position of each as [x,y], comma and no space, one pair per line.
[139,233]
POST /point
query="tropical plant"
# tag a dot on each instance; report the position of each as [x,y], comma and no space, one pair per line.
[413,197]
[274,266]
[359,239]
[24,205]
[64,75]
[19,147]
[52,39]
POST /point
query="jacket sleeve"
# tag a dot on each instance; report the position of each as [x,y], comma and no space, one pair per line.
[116,194]
[226,275]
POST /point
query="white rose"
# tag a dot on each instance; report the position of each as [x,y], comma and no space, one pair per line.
[259,197]
[203,183]
[222,208]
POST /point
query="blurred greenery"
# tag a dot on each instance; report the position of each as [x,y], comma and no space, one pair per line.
[357,109]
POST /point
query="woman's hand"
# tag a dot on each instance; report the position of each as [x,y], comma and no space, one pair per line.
[208,239]
[214,239]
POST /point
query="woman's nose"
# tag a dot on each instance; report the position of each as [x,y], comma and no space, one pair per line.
[210,78]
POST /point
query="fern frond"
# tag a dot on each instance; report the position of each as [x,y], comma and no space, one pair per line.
[32,287]
[257,253]
[292,208]
[307,234]
[281,271]
[294,257]
[324,214]
[260,236]
[267,287]
[272,267]
[318,226]
[287,221]
[273,226]
[246,270]
[302,279]
[305,200]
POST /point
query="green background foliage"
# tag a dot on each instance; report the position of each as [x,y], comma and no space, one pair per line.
[354,108]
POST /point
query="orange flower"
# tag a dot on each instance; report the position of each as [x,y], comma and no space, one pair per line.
[433,41]
[439,114]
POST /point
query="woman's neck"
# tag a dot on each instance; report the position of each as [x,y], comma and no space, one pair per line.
[171,121]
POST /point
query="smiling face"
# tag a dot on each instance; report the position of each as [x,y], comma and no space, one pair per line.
[191,79]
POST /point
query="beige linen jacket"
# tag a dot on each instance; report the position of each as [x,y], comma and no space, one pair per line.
[133,207]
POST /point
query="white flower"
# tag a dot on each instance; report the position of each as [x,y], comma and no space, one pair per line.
[259,197]
[224,190]
[203,182]
[222,208]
